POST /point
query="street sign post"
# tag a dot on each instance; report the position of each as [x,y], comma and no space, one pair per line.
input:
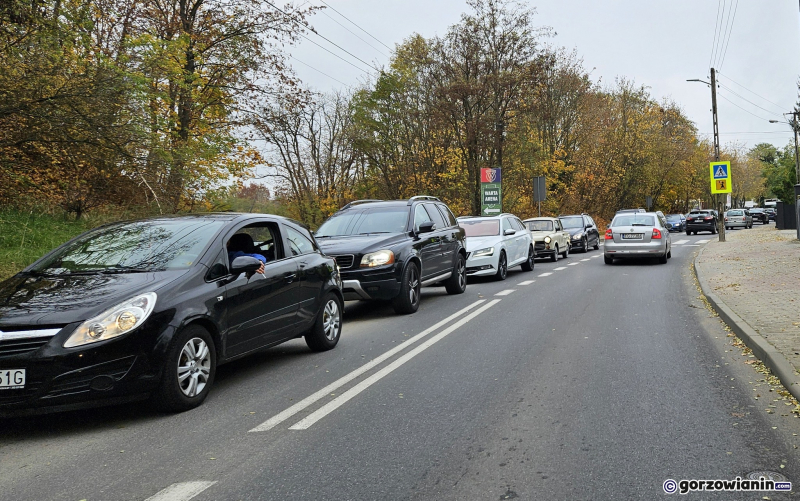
[720,177]
[491,192]
[539,191]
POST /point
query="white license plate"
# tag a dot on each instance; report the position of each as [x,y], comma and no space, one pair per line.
[632,236]
[12,379]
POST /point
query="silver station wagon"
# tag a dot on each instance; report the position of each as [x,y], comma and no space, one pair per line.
[637,235]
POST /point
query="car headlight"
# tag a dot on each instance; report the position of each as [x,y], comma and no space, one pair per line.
[577,236]
[547,240]
[377,258]
[114,322]
[487,251]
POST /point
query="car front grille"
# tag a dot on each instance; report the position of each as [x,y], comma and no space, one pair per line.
[18,342]
[344,261]
[538,246]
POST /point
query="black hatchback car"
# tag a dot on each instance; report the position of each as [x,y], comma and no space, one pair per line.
[582,230]
[701,220]
[388,250]
[150,308]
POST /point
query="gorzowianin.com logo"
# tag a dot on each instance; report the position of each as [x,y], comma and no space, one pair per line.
[736,485]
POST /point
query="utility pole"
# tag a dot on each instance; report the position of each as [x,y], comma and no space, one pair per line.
[718,199]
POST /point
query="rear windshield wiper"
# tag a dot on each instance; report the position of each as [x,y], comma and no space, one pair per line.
[640,224]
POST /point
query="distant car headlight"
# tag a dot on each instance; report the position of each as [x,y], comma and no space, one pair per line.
[547,240]
[377,259]
[114,322]
[488,251]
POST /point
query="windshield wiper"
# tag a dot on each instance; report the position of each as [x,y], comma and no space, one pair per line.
[121,268]
[373,232]
[640,224]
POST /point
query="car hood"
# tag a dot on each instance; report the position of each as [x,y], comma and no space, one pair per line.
[475,243]
[359,244]
[573,231]
[27,299]
[539,235]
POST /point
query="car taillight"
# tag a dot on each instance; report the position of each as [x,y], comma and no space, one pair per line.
[609,234]
[726,218]
[656,233]
[709,218]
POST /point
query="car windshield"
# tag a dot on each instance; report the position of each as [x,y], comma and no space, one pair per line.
[539,225]
[362,222]
[572,222]
[137,246]
[633,220]
[480,227]
[673,217]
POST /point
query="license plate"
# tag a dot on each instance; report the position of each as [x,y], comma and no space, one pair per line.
[632,236]
[12,379]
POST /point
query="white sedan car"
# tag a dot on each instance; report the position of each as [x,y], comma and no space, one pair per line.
[495,243]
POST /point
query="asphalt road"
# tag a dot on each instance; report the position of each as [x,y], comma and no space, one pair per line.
[578,380]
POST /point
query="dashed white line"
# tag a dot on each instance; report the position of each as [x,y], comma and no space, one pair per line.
[702,241]
[526,282]
[596,255]
[560,268]
[692,245]
[363,385]
[182,491]
[505,292]
[545,274]
[680,242]
[299,406]
[585,259]
[572,264]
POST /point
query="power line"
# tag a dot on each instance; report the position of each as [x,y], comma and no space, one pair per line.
[335,54]
[751,92]
[318,71]
[355,35]
[724,32]
[746,111]
[354,24]
[733,20]
[744,98]
[714,40]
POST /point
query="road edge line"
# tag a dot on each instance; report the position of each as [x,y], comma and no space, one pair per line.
[319,394]
[762,349]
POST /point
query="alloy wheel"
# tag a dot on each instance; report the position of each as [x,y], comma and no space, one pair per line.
[413,286]
[462,273]
[194,367]
[331,320]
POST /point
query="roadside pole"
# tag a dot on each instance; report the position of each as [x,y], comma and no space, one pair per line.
[717,198]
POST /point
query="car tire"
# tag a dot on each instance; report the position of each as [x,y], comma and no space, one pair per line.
[529,263]
[585,245]
[554,256]
[597,243]
[566,252]
[669,254]
[410,286]
[663,259]
[192,356]
[457,283]
[327,329]
[608,260]
[714,230]
[688,233]
[502,267]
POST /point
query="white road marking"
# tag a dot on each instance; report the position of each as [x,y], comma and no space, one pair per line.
[182,491]
[526,282]
[702,241]
[680,242]
[309,400]
[596,255]
[585,259]
[334,404]
[505,292]
[692,245]
[572,264]
[560,268]
[545,274]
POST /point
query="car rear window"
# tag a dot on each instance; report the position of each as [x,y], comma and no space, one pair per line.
[480,227]
[735,213]
[633,220]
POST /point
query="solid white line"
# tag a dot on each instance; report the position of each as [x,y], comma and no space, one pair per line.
[182,491]
[545,274]
[702,241]
[526,282]
[505,292]
[560,268]
[299,406]
[692,245]
[585,259]
[680,242]
[334,404]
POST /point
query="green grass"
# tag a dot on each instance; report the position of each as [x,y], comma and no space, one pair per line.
[25,236]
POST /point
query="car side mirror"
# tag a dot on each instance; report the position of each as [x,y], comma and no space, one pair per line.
[510,231]
[426,227]
[245,264]
[588,226]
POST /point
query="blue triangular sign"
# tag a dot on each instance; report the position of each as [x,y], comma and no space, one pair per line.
[720,172]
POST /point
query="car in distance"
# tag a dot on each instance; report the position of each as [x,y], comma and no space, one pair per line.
[151,308]
[495,243]
[389,250]
[701,220]
[637,235]
[738,218]
[623,211]
[676,222]
[582,230]
[771,212]
[759,215]
[549,237]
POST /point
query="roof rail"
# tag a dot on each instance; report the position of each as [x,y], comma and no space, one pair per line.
[358,202]
[423,197]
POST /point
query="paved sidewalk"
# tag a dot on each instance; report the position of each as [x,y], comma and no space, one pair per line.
[753,281]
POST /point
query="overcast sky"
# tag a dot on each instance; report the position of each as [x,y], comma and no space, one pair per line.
[657,44]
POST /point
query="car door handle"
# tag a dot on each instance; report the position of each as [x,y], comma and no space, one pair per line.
[290,278]
[303,264]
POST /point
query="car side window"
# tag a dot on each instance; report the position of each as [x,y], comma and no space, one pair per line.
[448,216]
[517,224]
[506,225]
[256,239]
[218,267]
[298,243]
[420,216]
[437,217]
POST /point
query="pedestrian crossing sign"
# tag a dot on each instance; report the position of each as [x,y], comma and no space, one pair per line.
[720,177]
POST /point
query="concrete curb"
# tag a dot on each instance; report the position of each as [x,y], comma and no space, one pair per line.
[764,351]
